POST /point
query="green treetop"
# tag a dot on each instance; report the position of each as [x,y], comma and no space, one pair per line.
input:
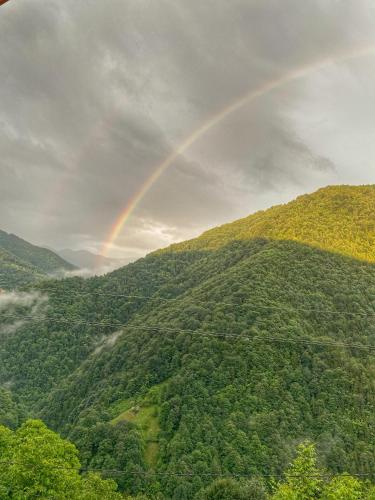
[38,463]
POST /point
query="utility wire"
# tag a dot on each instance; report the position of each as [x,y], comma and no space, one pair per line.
[201,334]
[178,474]
[229,304]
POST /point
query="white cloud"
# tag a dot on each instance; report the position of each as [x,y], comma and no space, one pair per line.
[33,300]
[19,307]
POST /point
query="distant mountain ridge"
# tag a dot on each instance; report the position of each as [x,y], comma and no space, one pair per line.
[89,260]
[22,263]
[42,258]
[335,218]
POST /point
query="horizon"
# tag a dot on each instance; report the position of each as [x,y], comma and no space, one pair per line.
[244,216]
[104,265]
[122,144]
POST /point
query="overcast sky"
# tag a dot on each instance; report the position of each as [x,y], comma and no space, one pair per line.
[96,94]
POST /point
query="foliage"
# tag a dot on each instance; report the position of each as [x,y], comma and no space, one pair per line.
[37,463]
[10,412]
[198,363]
[345,488]
[228,404]
[16,273]
[335,218]
[43,259]
[303,479]
[230,489]
[113,447]
[306,481]
[22,263]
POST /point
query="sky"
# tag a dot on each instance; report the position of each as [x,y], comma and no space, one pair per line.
[95,95]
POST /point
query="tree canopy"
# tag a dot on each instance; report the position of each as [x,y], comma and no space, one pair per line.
[38,463]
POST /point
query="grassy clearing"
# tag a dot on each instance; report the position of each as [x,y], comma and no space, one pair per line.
[145,414]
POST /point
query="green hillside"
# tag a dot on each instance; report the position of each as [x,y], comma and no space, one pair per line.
[213,360]
[22,263]
[15,273]
[336,218]
[46,261]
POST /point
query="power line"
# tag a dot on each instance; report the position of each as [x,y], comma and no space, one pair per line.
[178,474]
[202,334]
[229,304]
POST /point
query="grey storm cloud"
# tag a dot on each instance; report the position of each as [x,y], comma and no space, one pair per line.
[95,95]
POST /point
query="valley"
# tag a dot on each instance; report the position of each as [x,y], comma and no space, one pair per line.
[214,357]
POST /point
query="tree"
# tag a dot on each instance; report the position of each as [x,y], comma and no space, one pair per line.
[229,489]
[95,488]
[38,463]
[303,481]
[344,487]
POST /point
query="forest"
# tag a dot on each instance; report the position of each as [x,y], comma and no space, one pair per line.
[243,369]
[335,218]
[22,263]
[38,463]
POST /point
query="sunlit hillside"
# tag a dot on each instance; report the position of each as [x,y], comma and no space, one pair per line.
[336,218]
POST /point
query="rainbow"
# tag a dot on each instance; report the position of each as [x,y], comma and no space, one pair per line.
[249,97]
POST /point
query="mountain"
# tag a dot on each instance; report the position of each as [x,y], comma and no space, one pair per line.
[213,357]
[14,272]
[336,218]
[84,259]
[22,263]
[43,259]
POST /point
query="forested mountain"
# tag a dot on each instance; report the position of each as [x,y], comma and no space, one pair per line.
[22,263]
[14,272]
[336,218]
[212,358]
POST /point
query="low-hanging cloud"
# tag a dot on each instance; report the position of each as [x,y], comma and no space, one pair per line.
[107,342]
[31,300]
[17,308]
[100,270]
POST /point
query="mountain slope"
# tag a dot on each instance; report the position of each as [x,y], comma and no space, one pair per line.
[335,218]
[235,403]
[46,261]
[88,260]
[209,360]
[14,272]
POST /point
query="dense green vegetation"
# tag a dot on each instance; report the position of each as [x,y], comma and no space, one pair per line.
[15,273]
[193,365]
[37,463]
[22,263]
[224,404]
[304,479]
[335,218]
[44,260]
[11,414]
